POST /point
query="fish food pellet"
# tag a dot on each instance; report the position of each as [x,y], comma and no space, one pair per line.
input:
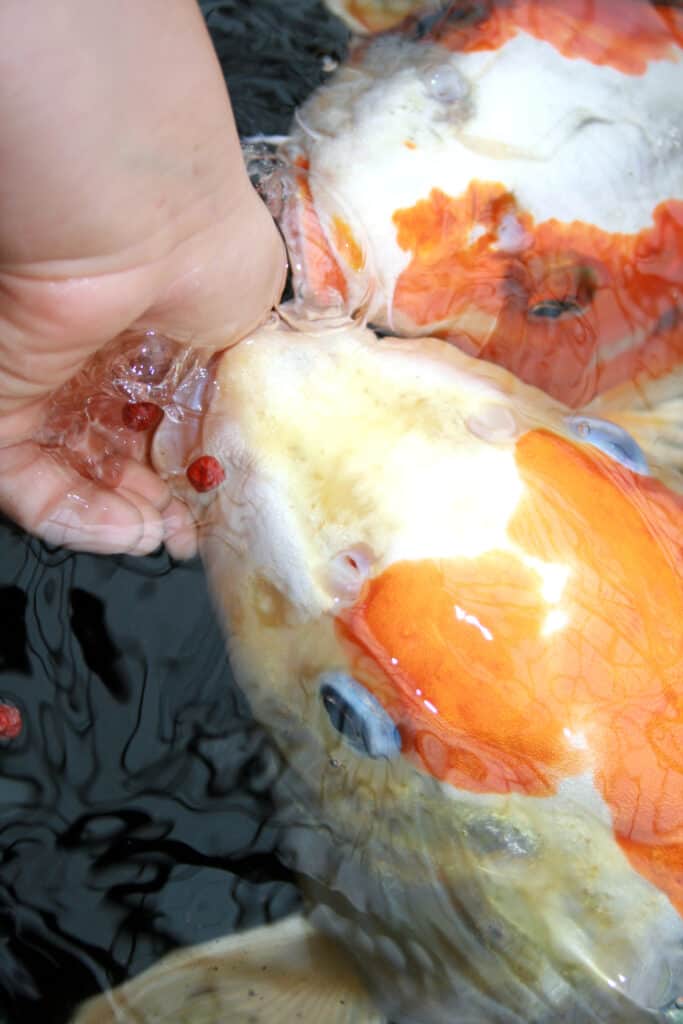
[10,721]
[141,416]
[205,473]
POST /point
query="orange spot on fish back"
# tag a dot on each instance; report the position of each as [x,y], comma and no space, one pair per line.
[409,144]
[461,630]
[632,601]
[565,306]
[491,700]
[346,244]
[625,36]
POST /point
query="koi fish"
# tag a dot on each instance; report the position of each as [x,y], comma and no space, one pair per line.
[456,606]
[506,175]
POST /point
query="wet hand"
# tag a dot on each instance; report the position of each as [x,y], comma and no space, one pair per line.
[124,204]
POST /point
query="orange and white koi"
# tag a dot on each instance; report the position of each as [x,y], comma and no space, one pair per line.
[456,606]
[507,175]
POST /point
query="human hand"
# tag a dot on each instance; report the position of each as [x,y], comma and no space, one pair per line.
[124,204]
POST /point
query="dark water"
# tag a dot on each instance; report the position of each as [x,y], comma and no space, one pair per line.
[135,812]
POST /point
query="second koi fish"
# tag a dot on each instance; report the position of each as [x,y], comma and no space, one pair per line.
[508,176]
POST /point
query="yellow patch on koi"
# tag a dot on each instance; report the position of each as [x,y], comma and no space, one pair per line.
[346,244]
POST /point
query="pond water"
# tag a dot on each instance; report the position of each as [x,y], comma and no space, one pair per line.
[134,801]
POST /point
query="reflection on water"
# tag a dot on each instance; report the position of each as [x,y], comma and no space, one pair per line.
[135,800]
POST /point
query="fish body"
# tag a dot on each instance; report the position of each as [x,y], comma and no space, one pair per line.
[507,176]
[460,622]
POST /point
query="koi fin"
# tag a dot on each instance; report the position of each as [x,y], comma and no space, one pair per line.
[652,412]
[276,974]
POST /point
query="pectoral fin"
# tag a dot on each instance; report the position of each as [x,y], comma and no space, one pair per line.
[285,973]
[651,410]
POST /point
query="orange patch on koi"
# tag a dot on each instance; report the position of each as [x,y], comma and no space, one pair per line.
[567,307]
[490,699]
[322,271]
[625,36]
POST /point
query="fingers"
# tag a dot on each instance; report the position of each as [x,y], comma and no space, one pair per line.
[180,533]
[54,502]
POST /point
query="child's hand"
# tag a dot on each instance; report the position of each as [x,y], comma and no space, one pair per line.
[124,203]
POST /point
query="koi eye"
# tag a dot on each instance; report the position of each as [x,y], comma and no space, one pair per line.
[358,716]
[577,283]
[555,309]
[611,439]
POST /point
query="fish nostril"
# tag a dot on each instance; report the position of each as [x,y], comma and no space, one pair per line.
[611,439]
[493,423]
[348,571]
[358,716]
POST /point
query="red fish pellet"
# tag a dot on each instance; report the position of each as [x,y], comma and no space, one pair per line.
[205,473]
[141,416]
[10,721]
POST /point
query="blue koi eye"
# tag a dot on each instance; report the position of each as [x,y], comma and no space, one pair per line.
[358,716]
[555,309]
[610,439]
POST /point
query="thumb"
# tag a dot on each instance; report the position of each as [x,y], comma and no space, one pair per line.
[224,280]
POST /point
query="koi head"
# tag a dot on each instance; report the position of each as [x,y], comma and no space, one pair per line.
[506,176]
[457,607]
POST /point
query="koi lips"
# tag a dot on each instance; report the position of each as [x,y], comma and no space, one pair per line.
[518,669]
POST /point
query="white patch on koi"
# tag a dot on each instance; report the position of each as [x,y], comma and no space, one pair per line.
[493,423]
[477,232]
[512,237]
